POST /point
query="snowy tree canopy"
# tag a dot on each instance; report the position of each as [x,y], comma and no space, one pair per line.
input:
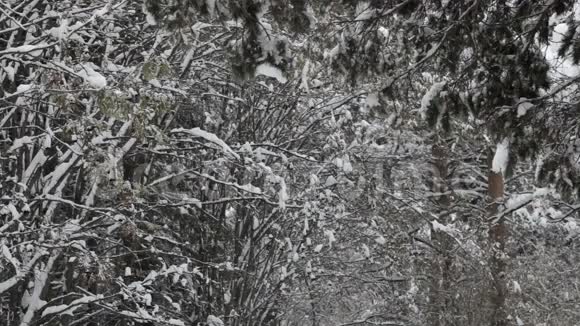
[296,162]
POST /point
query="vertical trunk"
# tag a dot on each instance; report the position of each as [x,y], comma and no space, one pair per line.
[442,260]
[498,238]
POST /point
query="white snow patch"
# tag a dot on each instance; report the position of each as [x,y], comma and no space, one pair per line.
[314,180]
[295,257]
[33,50]
[23,88]
[55,309]
[91,77]
[148,16]
[372,100]
[17,143]
[330,181]
[318,248]
[155,83]
[520,200]
[330,235]
[517,287]
[305,70]
[250,188]
[466,54]
[438,226]
[70,308]
[346,166]
[332,53]
[523,107]
[385,32]
[500,159]
[269,70]
[282,193]
[9,72]
[196,132]
[187,59]
[433,92]
[60,32]
[380,240]
[214,321]
[366,250]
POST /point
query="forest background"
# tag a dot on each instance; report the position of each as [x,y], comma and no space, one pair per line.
[289,162]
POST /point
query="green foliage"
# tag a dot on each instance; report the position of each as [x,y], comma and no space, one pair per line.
[115,106]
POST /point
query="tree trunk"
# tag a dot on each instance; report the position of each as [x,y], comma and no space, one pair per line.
[497,237]
[442,260]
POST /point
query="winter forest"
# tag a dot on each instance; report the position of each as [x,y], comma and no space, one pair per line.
[289,162]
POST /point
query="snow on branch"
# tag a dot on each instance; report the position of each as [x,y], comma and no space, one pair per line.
[197,132]
[9,283]
[71,307]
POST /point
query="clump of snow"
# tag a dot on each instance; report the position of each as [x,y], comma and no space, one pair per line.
[304,81]
[60,32]
[338,162]
[380,240]
[91,77]
[227,296]
[385,32]
[214,321]
[269,70]
[539,166]
[372,100]
[346,166]
[517,287]
[318,248]
[187,58]
[282,193]
[433,92]
[330,235]
[330,181]
[155,83]
[523,107]
[295,257]
[250,188]
[314,180]
[366,250]
[9,72]
[19,142]
[501,157]
[332,53]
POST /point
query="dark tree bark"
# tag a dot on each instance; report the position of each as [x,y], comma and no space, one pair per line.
[442,260]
